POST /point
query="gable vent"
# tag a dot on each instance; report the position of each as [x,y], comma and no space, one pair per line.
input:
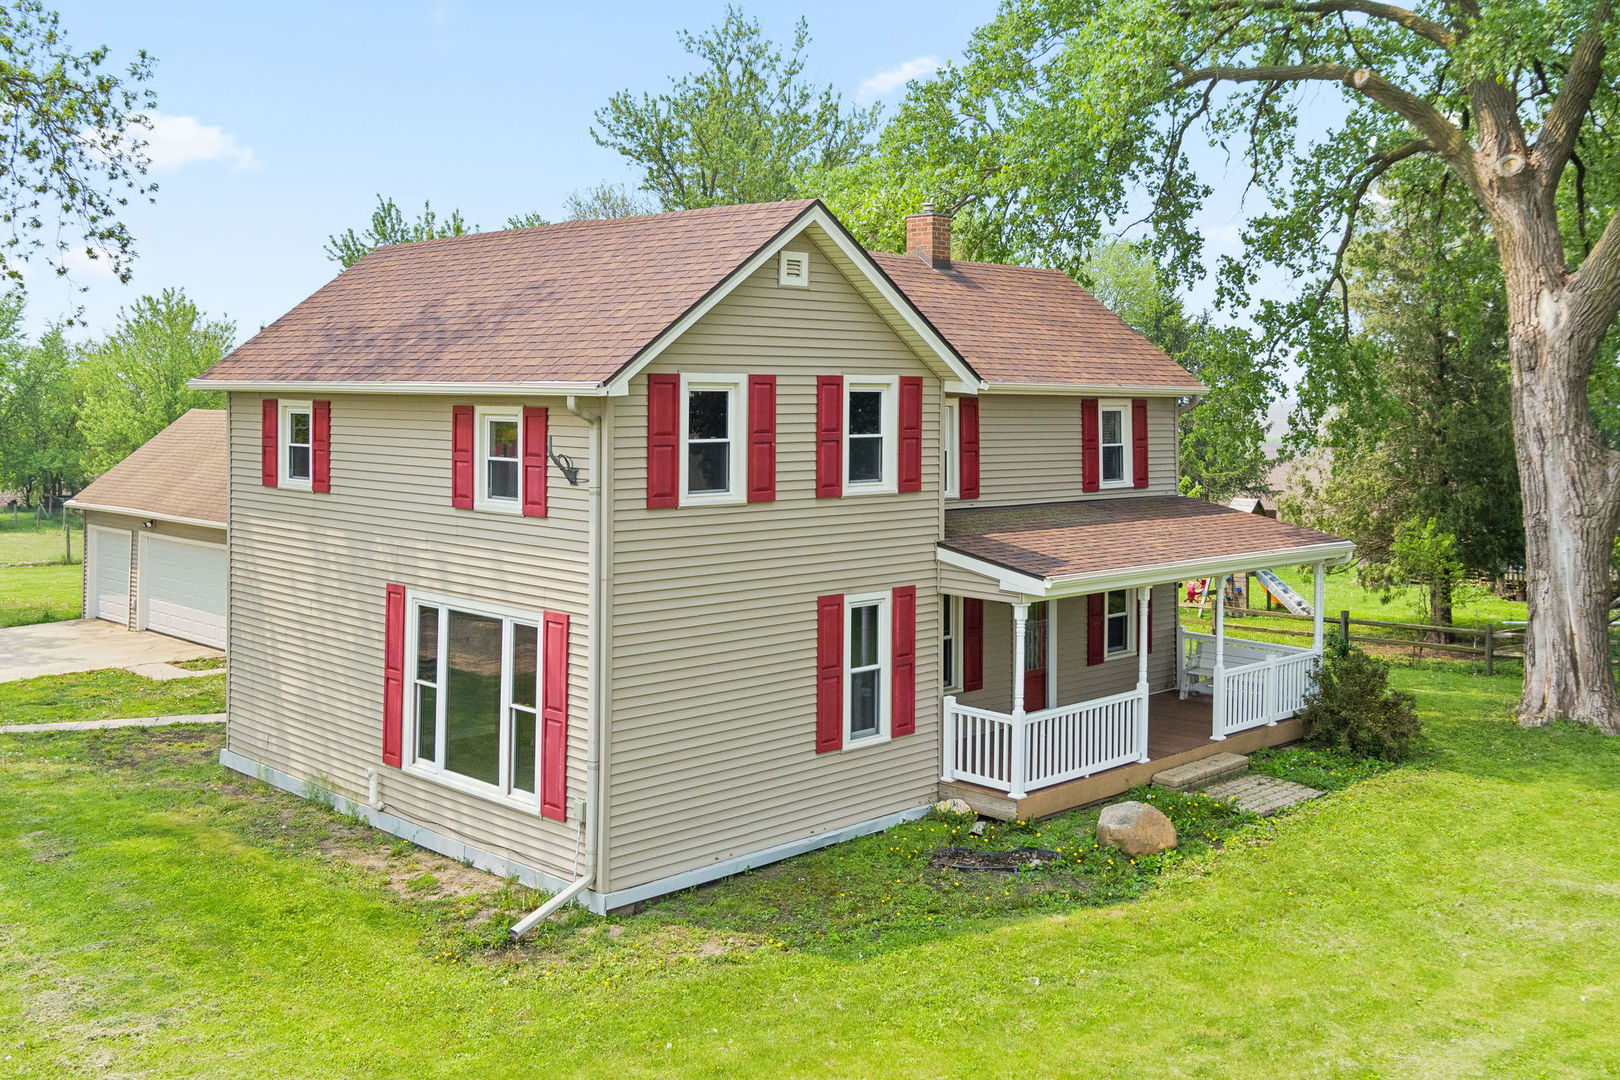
[795,268]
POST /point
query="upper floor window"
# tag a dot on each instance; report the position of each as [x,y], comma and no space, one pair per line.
[712,415]
[500,456]
[297,442]
[869,436]
[1113,437]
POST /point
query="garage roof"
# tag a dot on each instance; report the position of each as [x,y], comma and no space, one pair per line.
[179,475]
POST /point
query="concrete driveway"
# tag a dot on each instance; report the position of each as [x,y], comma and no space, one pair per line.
[86,645]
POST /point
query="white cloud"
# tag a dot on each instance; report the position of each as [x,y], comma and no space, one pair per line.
[884,82]
[177,141]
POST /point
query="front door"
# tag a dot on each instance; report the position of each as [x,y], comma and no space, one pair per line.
[1035,630]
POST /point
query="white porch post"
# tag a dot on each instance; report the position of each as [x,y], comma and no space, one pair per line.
[1321,601]
[1019,730]
[948,770]
[1143,595]
[1218,676]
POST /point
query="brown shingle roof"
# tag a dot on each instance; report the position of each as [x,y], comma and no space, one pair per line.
[1025,325]
[179,473]
[571,302]
[1066,540]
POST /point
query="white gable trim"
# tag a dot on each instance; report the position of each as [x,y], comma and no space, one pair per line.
[950,364]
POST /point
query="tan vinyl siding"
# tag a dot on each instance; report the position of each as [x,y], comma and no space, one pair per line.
[1029,451]
[308,576]
[714,608]
[1076,681]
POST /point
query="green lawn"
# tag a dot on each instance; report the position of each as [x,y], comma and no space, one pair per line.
[1473,607]
[161,917]
[39,594]
[27,542]
[110,694]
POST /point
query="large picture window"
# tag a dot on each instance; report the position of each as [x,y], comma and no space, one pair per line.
[712,415]
[476,679]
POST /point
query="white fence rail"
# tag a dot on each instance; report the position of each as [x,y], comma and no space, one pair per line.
[1260,683]
[1051,746]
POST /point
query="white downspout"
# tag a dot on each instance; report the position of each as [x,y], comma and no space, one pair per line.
[591,825]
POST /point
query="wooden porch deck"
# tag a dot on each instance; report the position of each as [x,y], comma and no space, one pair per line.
[1178,732]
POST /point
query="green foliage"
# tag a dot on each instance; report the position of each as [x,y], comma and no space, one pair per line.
[604,201]
[1320,768]
[71,148]
[388,226]
[41,448]
[745,127]
[135,381]
[40,594]
[1351,708]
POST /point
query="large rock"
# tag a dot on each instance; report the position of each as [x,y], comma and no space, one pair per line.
[1135,828]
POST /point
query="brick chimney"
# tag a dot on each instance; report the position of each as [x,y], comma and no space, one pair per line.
[928,235]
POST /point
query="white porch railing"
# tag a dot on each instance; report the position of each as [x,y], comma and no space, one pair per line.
[1020,754]
[1261,683]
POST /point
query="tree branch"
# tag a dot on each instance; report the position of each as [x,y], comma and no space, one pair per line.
[1411,20]
[1595,284]
[1563,123]
[1381,163]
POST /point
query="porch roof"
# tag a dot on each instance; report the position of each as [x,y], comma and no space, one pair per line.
[1066,548]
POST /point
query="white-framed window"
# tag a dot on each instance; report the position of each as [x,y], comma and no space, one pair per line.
[866,668]
[500,460]
[1114,443]
[870,436]
[794,269]
[714,416]
[950,641]
[1119,623]
[474,673]
[950,448]
[297,444]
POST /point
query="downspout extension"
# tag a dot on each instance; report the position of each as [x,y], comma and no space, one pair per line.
[590,827]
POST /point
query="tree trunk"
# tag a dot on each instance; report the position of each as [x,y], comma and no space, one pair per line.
[1571,488]
[1440,608]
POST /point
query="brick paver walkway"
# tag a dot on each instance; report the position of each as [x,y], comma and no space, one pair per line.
[1262,794]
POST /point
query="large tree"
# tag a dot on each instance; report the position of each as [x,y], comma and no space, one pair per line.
[135,380]
[745,127]
[1071,116]
[41,449]
[71,152]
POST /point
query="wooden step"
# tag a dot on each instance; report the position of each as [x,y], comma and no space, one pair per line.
[1200,773]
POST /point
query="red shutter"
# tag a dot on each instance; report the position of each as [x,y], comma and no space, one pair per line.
[967,447]
[829,673]
[972,644]
[1139,436]
[534,461]
[269,431]
[393,674]
[1096,628]
[762,438]
[1090,458]
[910,464]
[829,436]
[320,472]
[554,718]
[663,441]
[461,457]
[1150,621]
[903,681]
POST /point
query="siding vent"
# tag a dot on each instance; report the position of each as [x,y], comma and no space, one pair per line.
[795,268]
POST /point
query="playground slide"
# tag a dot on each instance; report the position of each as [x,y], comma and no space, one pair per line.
[1284,595]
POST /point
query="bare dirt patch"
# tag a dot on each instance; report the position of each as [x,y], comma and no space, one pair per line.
[416,874]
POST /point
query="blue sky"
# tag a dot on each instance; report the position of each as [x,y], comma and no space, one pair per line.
[278,124]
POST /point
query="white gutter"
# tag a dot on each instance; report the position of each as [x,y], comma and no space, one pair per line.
[130,511]
[385,386]
[1099,390]
[595,791]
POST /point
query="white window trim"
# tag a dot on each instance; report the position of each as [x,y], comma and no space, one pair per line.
[482,416]
[782,278]
[1130,626]
[890,388]
[951,449]
[1127,457]
[284,446]
[737,385]
[951,610]
[886,668]
[502,793]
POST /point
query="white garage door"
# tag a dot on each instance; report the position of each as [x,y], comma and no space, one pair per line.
[183,589]
[109,574]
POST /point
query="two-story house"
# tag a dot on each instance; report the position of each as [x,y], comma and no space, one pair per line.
[623,555]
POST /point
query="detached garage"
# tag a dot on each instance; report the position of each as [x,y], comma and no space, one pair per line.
[154,534]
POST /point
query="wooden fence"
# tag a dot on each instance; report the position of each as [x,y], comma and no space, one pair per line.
[1490,643]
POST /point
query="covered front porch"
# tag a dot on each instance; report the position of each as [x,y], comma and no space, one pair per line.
[1081,695]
